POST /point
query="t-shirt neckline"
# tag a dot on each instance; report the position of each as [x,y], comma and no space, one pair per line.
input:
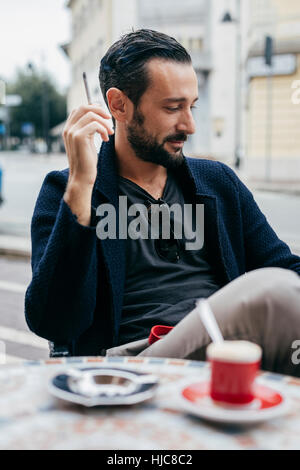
[126,180]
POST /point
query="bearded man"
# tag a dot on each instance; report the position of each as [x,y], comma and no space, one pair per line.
[103,295]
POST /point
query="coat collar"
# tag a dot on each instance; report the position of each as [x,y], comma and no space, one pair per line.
[107,171]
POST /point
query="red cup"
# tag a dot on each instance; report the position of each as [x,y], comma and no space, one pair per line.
[157,332]
[234,367]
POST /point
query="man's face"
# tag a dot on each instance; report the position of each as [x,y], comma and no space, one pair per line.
[163,118]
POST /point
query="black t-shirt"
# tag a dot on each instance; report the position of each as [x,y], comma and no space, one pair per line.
[158,291]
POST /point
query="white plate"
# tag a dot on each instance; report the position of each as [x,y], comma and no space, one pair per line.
[267,404]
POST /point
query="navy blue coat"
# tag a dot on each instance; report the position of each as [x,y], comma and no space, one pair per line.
[76,293]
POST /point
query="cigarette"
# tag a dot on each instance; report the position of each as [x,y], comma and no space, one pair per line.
[86,88]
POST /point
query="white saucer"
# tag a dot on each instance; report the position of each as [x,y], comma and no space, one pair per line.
[267,404]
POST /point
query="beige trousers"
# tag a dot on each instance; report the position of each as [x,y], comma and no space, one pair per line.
[262,306]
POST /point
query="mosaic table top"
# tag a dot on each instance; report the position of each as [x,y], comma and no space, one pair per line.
[31,418]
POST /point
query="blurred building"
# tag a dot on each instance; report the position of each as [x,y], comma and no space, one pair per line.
[246,113]
[273,118]
[96,24]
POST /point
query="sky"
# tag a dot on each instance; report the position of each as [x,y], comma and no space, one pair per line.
[31,31]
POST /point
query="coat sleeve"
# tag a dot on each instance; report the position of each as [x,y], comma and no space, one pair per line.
[263,248]
[61,298]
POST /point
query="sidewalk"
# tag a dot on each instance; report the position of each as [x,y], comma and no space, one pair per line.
[285,187]
[15,246]
[291,188]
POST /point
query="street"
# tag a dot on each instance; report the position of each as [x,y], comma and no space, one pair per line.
[23,176]
[20,343]
[283,214]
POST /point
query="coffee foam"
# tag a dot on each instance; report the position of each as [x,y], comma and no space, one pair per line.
[234,351]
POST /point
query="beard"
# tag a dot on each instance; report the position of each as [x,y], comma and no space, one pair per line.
[148,149]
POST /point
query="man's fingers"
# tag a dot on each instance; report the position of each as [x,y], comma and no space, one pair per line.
[90,116]
[77,113]
[89,130]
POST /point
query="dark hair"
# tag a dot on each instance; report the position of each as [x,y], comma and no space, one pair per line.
[123,66]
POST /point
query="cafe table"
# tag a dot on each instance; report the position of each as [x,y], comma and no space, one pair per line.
[32,418]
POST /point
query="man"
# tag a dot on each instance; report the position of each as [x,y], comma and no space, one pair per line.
[103,294]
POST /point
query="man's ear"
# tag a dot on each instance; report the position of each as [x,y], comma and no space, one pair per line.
[118,104]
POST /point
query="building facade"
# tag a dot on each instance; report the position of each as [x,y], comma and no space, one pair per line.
[273,118]
[248,112]
[96,24]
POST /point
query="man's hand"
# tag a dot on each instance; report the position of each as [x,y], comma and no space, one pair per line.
[78,137]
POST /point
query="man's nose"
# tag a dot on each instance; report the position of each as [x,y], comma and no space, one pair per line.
[186,123]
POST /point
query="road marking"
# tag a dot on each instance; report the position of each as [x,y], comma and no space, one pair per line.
[22,337]
[13,287]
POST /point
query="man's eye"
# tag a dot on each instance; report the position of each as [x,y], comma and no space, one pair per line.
[177,109]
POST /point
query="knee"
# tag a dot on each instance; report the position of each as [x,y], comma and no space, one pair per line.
[278,281]
[274,280]
[280,288]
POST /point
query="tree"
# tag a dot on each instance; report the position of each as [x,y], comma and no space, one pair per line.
[42,104]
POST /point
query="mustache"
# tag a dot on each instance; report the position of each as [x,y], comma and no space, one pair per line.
[177,137]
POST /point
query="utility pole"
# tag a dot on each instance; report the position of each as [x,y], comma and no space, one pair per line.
[45,114]
[45,104]
[227,18]
[269,118]
[238,91]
